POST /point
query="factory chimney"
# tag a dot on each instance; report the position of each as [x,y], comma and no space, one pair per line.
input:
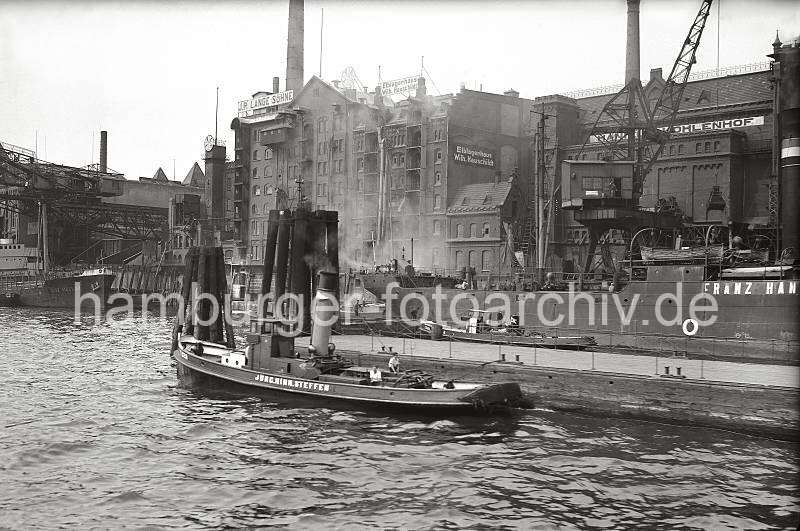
[294,49]
[786,73]
[276,85]
[632,48]
[104,151]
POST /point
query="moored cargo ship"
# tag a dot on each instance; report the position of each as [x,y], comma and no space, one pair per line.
[735,312]
[23,284]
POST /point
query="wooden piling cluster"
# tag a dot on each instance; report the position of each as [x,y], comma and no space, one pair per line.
[205,279]
[302,243]
[144,279]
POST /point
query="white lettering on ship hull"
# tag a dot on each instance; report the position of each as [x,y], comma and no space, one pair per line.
[295,384]
[776,287]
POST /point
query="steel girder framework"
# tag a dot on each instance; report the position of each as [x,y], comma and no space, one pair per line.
[74,197]
[628,128]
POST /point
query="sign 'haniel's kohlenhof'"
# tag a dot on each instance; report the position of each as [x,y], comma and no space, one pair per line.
[473,156]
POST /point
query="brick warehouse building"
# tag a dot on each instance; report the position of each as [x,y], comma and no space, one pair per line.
[440,169]
[718,165]
[435,177]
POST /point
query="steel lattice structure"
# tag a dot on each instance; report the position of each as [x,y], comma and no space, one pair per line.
[74,197]
[629,128]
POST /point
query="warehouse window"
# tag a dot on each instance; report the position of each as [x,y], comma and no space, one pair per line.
[459,231]
[716,145]
[256,190]
[437,226]
[707,147]
[438,155]
[681,149]
[255,154]
[473,230]
[486,257]
[437,202]
[698,148]
[437,178]
[485,229]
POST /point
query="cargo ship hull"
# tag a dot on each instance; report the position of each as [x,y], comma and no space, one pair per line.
[754,319]
[66,292]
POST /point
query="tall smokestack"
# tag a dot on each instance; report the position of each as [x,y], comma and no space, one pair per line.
[294,49]
[103,151]
[276,85]
[632,50]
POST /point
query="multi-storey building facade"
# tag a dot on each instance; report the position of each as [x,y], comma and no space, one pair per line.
[433,179]
[717,167]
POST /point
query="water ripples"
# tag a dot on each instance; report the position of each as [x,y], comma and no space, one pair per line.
[96,433]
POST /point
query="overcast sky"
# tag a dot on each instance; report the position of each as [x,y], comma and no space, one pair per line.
[147,71]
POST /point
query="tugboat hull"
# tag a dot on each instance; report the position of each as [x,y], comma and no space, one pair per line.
[196,371]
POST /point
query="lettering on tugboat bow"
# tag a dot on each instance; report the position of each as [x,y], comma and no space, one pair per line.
[288,382]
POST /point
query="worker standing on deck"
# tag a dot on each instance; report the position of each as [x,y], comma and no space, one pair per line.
[375,376]
[394,363]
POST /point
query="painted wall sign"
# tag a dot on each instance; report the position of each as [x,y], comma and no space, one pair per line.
[745,287]
[715,125]
[400,86]
[248,107]
[473,156]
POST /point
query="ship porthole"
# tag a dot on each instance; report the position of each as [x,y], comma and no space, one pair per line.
[690,327]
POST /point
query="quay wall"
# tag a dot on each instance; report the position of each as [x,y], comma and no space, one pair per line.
[758,409]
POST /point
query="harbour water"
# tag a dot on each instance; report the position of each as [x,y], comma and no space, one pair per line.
[96,433]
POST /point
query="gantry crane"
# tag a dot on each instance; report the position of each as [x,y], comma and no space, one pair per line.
[70,199]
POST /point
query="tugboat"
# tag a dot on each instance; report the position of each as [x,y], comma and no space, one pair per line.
[269,365]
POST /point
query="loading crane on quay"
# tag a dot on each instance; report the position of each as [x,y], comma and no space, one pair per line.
[68,202]
[631,131]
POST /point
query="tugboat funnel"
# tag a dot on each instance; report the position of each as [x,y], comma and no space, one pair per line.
[325,312]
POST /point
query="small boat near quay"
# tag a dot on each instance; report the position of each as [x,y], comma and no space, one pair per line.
[491,327]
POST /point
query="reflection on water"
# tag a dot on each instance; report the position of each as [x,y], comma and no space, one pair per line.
[97,433]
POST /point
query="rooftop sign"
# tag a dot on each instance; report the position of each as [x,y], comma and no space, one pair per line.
[400,86]
[249,107]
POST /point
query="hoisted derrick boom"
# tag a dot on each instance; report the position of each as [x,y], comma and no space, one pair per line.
[628,119]
[631,132]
